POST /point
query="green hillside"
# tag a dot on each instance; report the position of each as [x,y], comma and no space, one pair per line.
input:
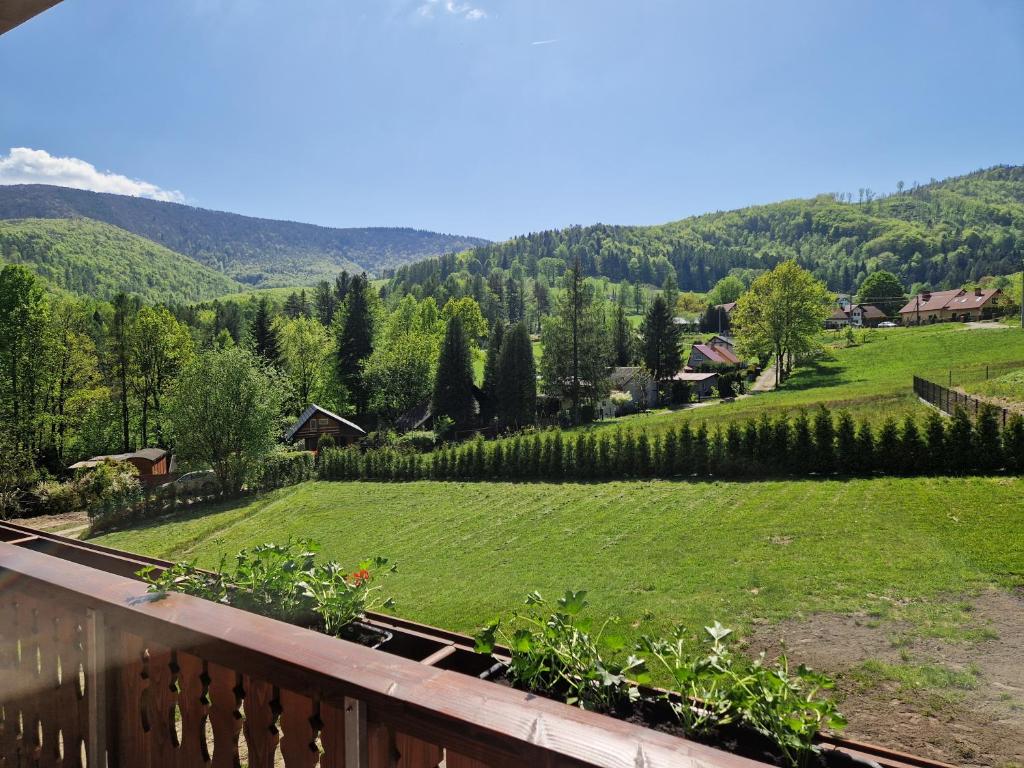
[257,252]
[943,234]
[90,258]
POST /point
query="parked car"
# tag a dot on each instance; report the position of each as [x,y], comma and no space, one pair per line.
[887,324]
[200,483]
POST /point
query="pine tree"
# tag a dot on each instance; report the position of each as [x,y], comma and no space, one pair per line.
[555,465]
[701,450]
[865,449]
[684,451]
[453,386]
[1013,444]
[780,442]
[824,441]
[801,451]
[643,455]
[935,442]
[733,462]
[355,342]
[622,335]
[325,302]
[669,453]
[887,448]
[987,444]
[961,443]
[913,454]
[627,456]
[514,304]
[660,335]
[264,333]
[517,380]
[490,387]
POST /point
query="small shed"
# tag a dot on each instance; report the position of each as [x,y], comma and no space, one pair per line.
[316,422]
[154,464]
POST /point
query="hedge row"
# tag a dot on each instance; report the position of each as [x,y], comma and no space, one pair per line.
[820,445]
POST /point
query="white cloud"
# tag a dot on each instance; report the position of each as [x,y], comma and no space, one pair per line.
[544,42]
[37,166]
[452,8]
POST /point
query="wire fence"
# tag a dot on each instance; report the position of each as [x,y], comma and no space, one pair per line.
[948,400]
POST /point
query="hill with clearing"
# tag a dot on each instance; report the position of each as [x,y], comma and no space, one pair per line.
[254,251]
[942,234]
[90,258]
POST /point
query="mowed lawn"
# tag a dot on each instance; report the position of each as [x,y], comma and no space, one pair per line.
[873,379]
[654,553]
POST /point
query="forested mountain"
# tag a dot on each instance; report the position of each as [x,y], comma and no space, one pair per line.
[942,234]
[90,258]
[257,252]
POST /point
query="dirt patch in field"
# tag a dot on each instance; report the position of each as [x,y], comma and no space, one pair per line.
[957,700]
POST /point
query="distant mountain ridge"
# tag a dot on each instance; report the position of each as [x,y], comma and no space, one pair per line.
[256,252]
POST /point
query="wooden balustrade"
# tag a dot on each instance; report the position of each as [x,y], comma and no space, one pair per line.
[95,671]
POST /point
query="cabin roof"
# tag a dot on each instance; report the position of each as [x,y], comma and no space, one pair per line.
[149,454]
[308,414]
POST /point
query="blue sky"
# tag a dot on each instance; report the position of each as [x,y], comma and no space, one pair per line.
[496,117]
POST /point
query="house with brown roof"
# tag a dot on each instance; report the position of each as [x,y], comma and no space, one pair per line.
[946,306]
[701,383]
[857,315]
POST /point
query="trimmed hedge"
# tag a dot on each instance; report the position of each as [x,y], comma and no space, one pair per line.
[280,469]
[819,445]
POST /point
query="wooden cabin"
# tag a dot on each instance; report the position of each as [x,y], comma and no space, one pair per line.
[316,422]
[154,464]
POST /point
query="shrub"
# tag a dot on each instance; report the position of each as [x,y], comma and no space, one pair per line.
[111,489]
[56,498]
[324,442]
[420,441]
[280,469]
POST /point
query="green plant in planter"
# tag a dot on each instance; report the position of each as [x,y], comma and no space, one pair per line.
[717,687]
[281,581]
[341,598]
[560,655]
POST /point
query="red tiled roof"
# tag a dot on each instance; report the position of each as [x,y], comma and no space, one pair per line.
[954,300]
[717,354]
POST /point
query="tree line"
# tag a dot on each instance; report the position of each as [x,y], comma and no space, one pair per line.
[820,445]
[932,236]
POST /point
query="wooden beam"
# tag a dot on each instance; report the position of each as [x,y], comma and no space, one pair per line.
[14,12]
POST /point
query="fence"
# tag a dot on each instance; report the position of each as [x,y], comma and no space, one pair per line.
[948,400]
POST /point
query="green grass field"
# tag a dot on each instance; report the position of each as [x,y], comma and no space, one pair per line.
[872,379]
[653,553]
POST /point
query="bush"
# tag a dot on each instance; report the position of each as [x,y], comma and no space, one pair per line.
[56,498]
[420,441]
[111,489]
[281,469]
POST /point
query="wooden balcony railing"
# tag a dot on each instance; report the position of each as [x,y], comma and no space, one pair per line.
[96,671]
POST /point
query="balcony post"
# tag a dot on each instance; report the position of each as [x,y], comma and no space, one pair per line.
[96,686]
[357,752]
